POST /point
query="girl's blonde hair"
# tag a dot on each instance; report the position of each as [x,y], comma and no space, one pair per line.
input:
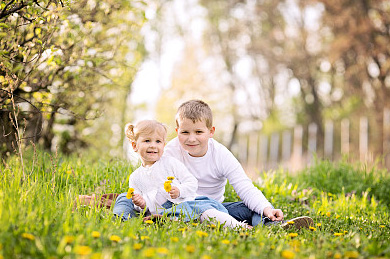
[145,127]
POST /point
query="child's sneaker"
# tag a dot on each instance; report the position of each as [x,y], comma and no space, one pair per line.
[298,223]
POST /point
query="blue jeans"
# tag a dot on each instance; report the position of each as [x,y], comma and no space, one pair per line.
[124,209]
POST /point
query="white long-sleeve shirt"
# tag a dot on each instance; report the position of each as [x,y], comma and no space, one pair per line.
[149,183]
[214,169]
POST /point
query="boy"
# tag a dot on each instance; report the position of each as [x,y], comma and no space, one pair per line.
[213,164]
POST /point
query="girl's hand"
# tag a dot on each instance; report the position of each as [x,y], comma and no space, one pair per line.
[139,201]
[174,193]
[273,214]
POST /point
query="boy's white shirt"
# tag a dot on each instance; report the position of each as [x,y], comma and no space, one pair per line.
[214,169]
[149,183]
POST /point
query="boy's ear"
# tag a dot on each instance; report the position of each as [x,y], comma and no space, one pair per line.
[176,129]
[212,131]
[134,145]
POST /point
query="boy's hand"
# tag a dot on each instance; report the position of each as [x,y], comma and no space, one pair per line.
[139,201]
[174,193]
[273,214]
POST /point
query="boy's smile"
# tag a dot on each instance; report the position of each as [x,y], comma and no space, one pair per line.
[194,137]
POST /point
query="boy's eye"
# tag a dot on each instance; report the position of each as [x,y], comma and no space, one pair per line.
[184,132]
[199,131]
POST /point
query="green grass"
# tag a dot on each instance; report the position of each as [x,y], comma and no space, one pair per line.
[349,204]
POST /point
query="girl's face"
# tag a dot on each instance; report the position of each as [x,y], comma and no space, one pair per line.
[149,147]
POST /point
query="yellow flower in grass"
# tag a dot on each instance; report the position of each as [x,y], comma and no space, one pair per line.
[68,239]
[145,238]
[170,178]
[162,250]
[149,221]
[225,241]
[351,254]
[137,246]
[337,255]
[202,234]
[290,222]
[96,256]
[312,229]
[150,252]
[338,234]
[382,226]
[130,193]
[328,214]
[293,235]
[95,234]
[82,250]
[28,236]
[167,186]
[206,257]
[337,216]
[288,254]
[194,224]
[175,239]
[190,248]
[318,224]
[115,238]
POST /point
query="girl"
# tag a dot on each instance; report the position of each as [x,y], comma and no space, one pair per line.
[163,185]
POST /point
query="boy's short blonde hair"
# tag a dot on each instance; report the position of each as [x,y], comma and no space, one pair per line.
[195,110]
[145,127]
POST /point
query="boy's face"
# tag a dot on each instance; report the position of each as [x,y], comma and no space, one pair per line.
[149,147]
[194,137]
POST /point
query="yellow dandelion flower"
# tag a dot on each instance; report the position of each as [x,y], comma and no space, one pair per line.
[162,250]
[174,239]
[312,229]
[351,254]
[170,178]
[115,238]
[130,193]
[149,221]
[69,172]
[145,238]
[28,236]
[293,235]
[290,222]
[182,229]
[288,254]
[95,234]
[167,186]
[272,247]
[213,226]
[225,241]
[96,256]
[382,226]
[328,214]
[190,248]
[345,232]
[318,224]
[194,224]
[206,257]
[338,234]
[337,255]
[337,216]
[82,250]
[202,234]
[68,239]
[150,252]
[137,246]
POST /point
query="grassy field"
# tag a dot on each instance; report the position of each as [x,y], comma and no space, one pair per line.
[349,205]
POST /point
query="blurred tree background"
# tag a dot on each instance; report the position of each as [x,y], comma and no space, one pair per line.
[262,65]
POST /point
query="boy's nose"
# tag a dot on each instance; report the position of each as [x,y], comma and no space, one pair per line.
[191,137]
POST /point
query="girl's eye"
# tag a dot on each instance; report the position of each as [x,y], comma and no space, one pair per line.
[147,140]
[158,141]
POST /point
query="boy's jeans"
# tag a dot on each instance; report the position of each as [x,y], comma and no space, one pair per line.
[124,208]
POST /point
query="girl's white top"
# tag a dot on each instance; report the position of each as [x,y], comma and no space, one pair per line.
[149,183]
[214,169]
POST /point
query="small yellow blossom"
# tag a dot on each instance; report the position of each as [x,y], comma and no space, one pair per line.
[69,172]
[202,234]
[337,255]
[174,239]
[68,239]
[345,232]
[95,234]
[96,256]
[312,229]
[149,221]
[288,254]
[338,234]
[225,241]
[212,226]
[351,254]
[28,236]
[170,178]
[190,248]
[290,222]
[137,246]
[82,250]
[318,224]
[130,193]
[293,235]
[167,186]
[382,226]
[115,238]
[150,252]
[206,257]
[328,214]
[194,224]
[182,229]
[162,250]
[272,247]
[145,238]
[337,216]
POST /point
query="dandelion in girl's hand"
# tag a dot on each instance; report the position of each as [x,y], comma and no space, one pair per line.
[170,178]
[130,193]
[167,186]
